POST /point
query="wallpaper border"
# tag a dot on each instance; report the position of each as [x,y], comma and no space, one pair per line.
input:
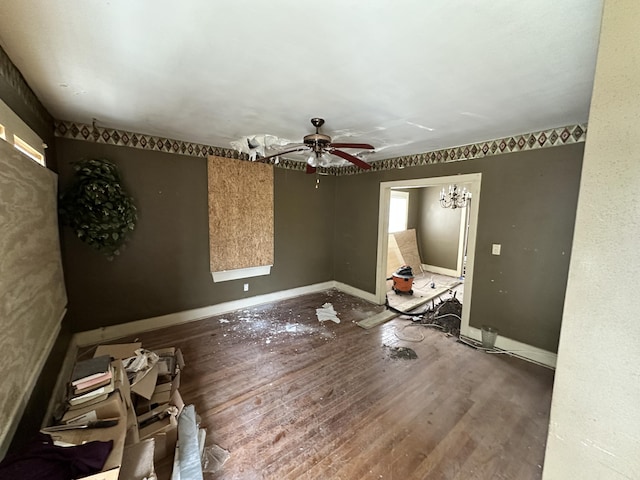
[552,137]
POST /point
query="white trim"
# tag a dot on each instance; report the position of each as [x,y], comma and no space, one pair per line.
[60,388]
[518,349]
[227,275]
[383,242]
[28,150]
[441,270]
[463,225]
[473,181]
[92,337]
[15,126]
[20,404]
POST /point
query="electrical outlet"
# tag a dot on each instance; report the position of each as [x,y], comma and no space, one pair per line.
[246,287]
[495,249]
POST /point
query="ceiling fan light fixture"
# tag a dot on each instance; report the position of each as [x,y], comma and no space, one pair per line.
[324,160]
[319,148]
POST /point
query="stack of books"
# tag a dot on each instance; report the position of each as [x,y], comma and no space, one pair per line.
[92,381]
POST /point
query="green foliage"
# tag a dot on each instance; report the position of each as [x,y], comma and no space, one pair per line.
[96,206]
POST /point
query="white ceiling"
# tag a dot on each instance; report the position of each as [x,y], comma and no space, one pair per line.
[407,76]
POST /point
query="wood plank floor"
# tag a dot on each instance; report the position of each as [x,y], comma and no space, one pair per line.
[291,398]
[422,289]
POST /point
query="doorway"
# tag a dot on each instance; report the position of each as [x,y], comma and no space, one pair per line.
[466,246]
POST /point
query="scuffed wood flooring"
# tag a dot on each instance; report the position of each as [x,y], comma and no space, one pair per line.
[291,398]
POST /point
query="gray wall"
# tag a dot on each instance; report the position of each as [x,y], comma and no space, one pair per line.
[438,231]
[165,267]
[528,203]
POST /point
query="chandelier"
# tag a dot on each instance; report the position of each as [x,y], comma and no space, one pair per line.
[455,198]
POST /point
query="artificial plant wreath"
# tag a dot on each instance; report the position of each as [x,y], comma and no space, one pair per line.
[96,206]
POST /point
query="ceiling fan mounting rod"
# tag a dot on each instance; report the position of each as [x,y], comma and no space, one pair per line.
[317,142]
[317,122]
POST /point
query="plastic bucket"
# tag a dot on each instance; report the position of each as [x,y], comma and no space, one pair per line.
[489,335]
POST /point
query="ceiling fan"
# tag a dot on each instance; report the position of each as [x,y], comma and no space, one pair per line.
[319,145]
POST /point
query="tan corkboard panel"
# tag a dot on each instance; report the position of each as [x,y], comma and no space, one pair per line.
[408,246]
[32,290]
[394,256]
[240,214]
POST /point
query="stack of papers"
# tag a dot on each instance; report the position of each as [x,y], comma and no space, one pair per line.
[91,381]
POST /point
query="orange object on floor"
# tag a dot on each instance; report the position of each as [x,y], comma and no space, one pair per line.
[403,280]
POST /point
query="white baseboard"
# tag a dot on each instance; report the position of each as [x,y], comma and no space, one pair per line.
[92,337]
[518,349]
[60,389]
[105,334]
[440,270]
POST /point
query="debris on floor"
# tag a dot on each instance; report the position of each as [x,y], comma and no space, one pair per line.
[404,353]
[446,314]
[213,459]
[327,313]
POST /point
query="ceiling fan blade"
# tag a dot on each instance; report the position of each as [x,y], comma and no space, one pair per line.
[355,160]
[279,154]
[311,169]
[295,145]
[363,146]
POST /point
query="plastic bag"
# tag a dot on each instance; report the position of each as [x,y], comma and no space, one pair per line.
[213,458]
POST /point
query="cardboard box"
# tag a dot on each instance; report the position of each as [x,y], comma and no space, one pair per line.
[165,374]
[113,474]
[165,434]
[170,365]
[137,464]
[110,407]
[149,397]
[137,461]
[146,385]
[161,396]
[118,351]
[175,401]
[165,429]
[114,407]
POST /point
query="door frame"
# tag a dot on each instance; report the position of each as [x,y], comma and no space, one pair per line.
[473,182]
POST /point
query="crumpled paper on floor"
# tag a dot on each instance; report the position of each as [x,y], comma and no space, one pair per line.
[327,313]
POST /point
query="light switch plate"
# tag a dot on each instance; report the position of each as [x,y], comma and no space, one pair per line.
[495,249]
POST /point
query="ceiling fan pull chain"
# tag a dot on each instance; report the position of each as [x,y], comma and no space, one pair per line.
[317,180]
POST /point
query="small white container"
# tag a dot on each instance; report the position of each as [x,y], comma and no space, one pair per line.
[489,335]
